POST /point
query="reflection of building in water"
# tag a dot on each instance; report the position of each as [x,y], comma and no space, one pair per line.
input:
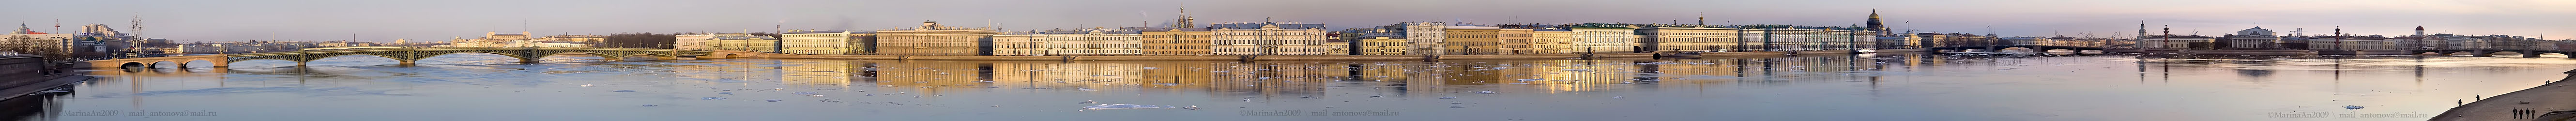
[1183,75]
[1824,68]
[1581,75]
[938,74]
[1697,72]
[1059,75]
[728,73]
[1273,78]
[820,74]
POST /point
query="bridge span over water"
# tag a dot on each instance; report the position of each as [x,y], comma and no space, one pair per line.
[405,55]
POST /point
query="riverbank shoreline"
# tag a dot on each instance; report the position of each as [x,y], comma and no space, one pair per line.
[2554,101]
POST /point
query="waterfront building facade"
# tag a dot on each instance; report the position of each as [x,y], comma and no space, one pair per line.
[1091,42]
[1472,40]
[1017,43]
[1551,41]
[1692,38]
[2255,38]
[2172,41]
[825,42]
[1177,41]
[934,39]
[1379,45]
[1422,38]
[2352,43]
[1337,47]
[1517,41]
[1267,38]
[743,43]
[1603,38]
[1817,38]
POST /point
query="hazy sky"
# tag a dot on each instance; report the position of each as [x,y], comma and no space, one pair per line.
[437,20]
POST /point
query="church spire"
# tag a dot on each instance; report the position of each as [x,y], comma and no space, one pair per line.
[1185,21]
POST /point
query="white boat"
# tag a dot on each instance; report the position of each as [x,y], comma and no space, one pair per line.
[1865,51]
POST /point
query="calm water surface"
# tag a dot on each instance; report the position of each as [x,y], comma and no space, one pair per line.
[1861,87]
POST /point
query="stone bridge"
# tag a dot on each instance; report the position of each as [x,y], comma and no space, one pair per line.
[406,55]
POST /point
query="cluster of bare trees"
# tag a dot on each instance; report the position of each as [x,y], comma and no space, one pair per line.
[23,45]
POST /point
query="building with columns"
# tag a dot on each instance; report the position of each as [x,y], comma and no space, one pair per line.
[934,39]
[826,42]
[1267,38]
[1603,38]
[1177,41]
[1095,41]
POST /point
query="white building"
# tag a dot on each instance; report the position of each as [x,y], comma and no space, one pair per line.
[1603,38]
[1095,41]
[824,42]
[1268,38]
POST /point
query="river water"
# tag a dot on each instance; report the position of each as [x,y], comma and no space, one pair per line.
[1858,87]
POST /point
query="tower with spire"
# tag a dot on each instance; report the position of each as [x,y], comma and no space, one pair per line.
[2142,29]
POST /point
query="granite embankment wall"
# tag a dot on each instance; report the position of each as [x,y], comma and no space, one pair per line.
[23,70]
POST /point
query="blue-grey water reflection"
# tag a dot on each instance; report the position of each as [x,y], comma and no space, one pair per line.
[1863,87]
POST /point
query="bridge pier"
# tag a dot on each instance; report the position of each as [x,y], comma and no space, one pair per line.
[408,62]
[2480,53]
[527,60]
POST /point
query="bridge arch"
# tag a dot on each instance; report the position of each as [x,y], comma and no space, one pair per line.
[157,64]
[185,63]
[133,64]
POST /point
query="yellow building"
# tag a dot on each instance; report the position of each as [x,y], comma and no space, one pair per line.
[1379,45]
[743,43]
[1177,41]
[1337,48]
[826,42]
[933,39]
[1552,41]
[1473,40]
[1517,41]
